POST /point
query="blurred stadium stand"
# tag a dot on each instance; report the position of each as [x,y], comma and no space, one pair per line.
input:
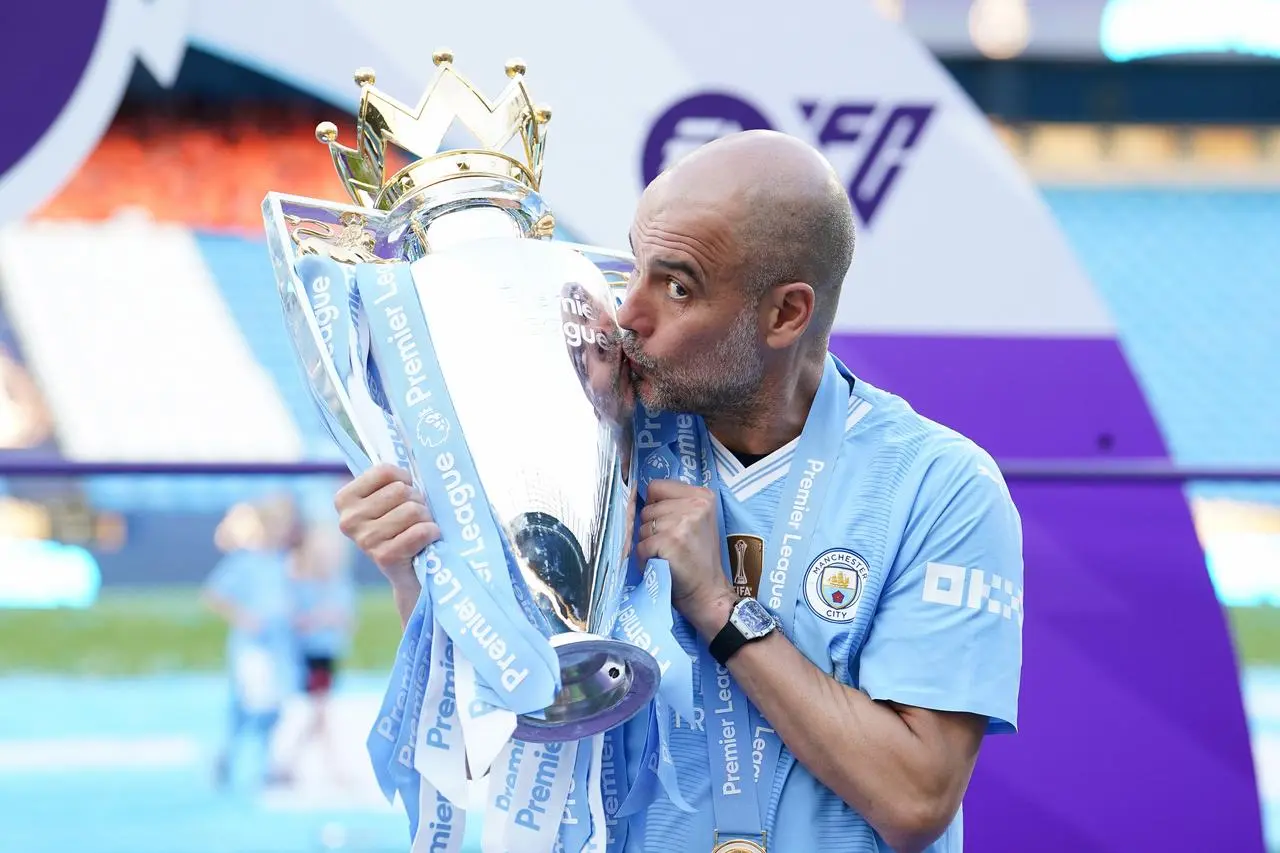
[1165,154]
[1191,280]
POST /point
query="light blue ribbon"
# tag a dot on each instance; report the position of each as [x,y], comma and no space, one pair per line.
[679,447]
[668,447]
[613,783]
[576,828]
[467,582]
[741,790]
[326,286]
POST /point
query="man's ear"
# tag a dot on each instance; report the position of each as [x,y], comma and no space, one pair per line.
[788,311]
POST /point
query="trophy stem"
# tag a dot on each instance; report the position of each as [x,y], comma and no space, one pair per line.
[604,683]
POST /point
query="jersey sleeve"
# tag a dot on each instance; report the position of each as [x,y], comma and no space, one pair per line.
[947,633]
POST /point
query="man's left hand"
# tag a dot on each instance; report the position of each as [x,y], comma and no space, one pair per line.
[679,525]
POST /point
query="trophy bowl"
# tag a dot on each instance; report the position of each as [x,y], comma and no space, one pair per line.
[526,338]
[523,333]
[605,683]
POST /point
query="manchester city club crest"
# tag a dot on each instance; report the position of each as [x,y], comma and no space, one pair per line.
[833,585]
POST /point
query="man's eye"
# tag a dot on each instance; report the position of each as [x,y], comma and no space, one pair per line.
[676,290]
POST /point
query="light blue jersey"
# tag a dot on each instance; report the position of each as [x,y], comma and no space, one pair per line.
[914,596]
[262,661]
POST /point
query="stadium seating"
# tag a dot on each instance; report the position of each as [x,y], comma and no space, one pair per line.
[209,173]
[1193,280]
[1147,153]
[136,353]
[242,270]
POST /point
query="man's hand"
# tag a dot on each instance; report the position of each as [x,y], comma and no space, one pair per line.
[387,518]
[678,524]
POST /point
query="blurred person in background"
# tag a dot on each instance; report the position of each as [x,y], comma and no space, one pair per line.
[250,589]
[323,597]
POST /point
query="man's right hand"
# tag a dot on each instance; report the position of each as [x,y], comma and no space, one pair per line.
[386,518]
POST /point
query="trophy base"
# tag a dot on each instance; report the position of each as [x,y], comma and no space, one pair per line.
[603,682]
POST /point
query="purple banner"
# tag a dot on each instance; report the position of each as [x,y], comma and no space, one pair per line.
[49,45]
[1132,729]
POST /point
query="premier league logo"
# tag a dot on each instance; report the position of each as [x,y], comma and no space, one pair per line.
[433,429]
[868,140]
[658,468]
[834,583]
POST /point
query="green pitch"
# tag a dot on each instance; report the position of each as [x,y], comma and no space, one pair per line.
[154,631]
[161,630]
[1257,635]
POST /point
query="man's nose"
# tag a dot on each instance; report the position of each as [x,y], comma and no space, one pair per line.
[632,315]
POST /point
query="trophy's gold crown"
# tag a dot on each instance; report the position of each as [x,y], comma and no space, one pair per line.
[419,131]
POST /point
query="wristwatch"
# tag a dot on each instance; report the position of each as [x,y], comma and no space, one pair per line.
[748,621]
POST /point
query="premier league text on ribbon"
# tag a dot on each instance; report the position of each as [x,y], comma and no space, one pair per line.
[728,739]
[800,506]
[609,779]
[461,494]
[320,291]
[389,725]
[421,670]
[473,622]
[516,754]
[686,443]
[758,745]
[548,758]
[793,529]
[759,736]
[445,709]
[631,624]
[443,825]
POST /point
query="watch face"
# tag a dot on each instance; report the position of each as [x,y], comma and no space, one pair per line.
[750,617]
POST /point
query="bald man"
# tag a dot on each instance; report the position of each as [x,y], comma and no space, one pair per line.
[864,616]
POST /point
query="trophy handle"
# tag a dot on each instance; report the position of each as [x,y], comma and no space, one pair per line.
[328,357]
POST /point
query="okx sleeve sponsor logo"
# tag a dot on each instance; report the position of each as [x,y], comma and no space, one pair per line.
[870,142]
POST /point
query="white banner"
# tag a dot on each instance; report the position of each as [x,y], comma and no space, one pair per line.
[953,238]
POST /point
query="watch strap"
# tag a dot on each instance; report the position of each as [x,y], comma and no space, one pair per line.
[729,639]
[726,641]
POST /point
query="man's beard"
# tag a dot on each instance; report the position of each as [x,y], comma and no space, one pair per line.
[720,384]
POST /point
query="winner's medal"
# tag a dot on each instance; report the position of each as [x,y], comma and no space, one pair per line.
[738,845]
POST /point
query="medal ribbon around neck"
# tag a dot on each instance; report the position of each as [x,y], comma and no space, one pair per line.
[742,775]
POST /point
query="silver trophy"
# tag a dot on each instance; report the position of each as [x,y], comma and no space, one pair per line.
[548,422]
